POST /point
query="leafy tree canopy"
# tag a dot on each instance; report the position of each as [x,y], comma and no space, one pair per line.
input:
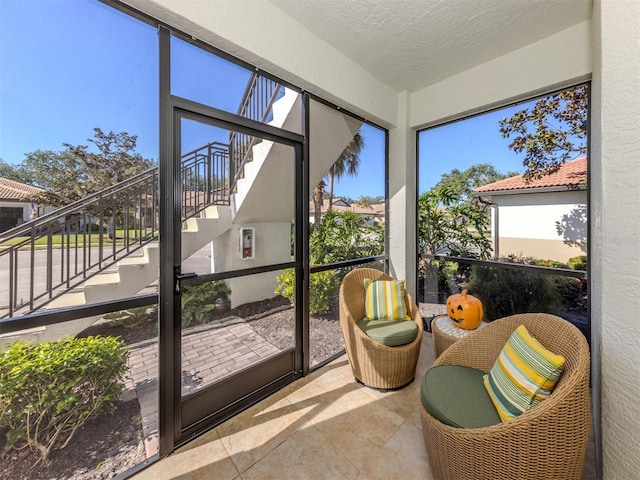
[76,172]
[463,183]
[446,220]
[11,172]
[344,236]
[551,132]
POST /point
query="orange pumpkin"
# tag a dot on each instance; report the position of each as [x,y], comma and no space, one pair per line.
[465,311]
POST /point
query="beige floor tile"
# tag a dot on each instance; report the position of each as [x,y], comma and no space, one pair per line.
[323,426]
[203,459]
[306,455]
[361,431]
[252,434]
[405,402]
[402,457]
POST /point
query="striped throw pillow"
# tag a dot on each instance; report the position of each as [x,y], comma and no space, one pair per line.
[384,299]
[524,374]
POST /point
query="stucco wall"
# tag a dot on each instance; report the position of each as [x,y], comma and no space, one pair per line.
[539,248]
[615,231]
[550,225]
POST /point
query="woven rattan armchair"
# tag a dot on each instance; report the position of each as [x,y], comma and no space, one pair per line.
[373,364]
[549,441]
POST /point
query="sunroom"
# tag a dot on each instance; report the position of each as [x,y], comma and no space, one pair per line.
[388,71]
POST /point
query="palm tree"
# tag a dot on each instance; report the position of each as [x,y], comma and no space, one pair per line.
[347,163]
[318,199]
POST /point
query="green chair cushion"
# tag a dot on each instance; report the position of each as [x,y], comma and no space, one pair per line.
[456,396]
[390,332]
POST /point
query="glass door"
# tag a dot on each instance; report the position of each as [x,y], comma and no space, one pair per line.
[239,267]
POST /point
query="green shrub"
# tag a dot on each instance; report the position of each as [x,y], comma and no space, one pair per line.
[49,390]
[569,288]
[322,289]
[578,263]
[343,236]
[506,292]
[199,301]
[132,317]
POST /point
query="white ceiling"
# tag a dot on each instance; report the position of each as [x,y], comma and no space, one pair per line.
[409,44]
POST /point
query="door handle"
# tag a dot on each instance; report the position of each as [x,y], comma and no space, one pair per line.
[182,276]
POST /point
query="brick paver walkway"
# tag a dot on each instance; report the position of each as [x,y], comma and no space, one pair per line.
[209,352]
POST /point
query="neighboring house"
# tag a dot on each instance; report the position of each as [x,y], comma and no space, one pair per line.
[545,218]
[374,213]
[15,204]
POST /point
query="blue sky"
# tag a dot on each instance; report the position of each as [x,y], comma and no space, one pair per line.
[68,66]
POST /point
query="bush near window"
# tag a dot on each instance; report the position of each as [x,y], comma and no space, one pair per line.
[199,301]
[49,390]
[344,236]
[507,292]
[322,289]
[571,289]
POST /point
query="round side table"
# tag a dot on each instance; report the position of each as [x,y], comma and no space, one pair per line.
[445,333]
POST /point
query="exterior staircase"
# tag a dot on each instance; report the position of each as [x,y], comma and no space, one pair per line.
[260,195]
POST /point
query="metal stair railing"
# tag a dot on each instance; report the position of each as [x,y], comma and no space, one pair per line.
[256,104]
[50,255]
[209,174]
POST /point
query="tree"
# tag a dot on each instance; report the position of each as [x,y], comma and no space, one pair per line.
[347,163]
[464,183]
[365,201]
[76,172]
[318,200]
[446,220]
[11,172]
[344,236]
[551,132]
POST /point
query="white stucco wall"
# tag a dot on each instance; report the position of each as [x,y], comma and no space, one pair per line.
[615,231]
[534,215]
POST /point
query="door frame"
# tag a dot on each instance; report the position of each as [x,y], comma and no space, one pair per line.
[172,429]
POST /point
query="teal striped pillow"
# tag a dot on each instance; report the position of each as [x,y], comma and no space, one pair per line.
[524,374]
[384,299]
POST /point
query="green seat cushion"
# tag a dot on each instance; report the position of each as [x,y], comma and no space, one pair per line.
[456,396]
[390,332]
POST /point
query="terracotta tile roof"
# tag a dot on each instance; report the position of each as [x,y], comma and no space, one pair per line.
[10,190]
[570,174]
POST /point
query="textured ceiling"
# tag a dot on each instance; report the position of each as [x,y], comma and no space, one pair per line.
[409,44]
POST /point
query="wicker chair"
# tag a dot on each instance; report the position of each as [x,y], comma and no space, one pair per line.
[549,441]
[373,364]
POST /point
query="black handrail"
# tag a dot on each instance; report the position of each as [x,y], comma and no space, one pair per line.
[209,175]
[126,218]
[256,104]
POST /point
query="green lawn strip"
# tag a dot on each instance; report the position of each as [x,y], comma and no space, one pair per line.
[73,240]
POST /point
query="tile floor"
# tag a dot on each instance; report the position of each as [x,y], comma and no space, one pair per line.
[324,426]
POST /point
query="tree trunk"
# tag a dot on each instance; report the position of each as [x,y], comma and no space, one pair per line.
[318,194]
[331,178]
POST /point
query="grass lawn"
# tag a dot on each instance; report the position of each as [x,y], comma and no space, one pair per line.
[90,239]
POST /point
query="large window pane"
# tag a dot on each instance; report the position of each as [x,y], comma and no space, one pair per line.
[511,186]
[203,77]
[79,132]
